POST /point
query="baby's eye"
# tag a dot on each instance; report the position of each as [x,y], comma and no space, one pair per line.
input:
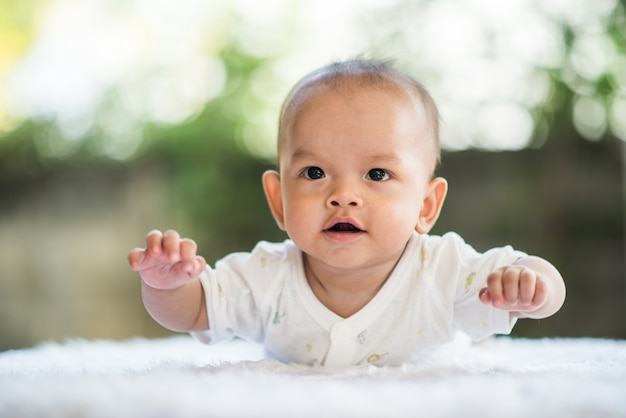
[377,174]
[313,173]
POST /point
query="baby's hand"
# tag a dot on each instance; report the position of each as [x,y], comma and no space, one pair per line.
[515,288]
[168,261]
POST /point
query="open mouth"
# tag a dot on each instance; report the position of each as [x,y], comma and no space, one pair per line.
[344,227]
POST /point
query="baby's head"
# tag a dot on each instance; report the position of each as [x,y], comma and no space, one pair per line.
[361,75]
[357,146]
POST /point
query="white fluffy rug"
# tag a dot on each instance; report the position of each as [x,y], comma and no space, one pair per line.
[179,377]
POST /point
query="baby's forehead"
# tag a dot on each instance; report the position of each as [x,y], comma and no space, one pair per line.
[318,100]
[316,92]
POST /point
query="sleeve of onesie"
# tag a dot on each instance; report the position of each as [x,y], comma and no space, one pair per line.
[235,291]
[471,316]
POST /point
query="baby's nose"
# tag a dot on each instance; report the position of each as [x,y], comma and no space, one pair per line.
[345,195]
[338,203]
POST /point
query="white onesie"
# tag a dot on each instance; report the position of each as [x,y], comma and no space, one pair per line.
[431,294]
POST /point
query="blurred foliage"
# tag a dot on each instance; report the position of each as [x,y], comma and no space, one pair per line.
[582,71]
[214,187]
[17,25]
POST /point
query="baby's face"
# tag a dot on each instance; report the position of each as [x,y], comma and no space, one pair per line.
[354,173]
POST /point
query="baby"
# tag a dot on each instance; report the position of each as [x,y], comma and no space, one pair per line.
[360,280]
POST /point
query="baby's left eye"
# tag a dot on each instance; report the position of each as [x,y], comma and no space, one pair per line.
[377,174]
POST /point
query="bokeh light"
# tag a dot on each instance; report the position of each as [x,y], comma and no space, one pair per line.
[110,67]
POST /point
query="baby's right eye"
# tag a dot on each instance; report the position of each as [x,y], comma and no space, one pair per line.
[313,173]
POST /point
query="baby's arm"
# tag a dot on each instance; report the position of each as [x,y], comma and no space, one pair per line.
[529,288]
[170,288]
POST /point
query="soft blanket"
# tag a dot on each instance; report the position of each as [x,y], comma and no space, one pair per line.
[179,377]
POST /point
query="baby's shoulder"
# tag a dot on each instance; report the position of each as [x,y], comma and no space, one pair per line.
[276,252]
[441,242]
[452,247]
[265,256]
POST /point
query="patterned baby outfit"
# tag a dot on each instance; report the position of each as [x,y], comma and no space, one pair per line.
[431,294]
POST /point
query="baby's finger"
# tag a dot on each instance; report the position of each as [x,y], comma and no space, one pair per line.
[182,272]
[154,242]
[494,286]
[527,286]
[199,265]
[541,292]
[135,257]
[484,295]
[188,250]
[510,284]
[171,245]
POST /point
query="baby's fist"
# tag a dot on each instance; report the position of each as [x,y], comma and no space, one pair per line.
[515,288]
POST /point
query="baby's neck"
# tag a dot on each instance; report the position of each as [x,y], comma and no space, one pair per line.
[345,292]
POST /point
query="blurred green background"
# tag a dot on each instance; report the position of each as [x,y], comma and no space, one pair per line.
[117,117]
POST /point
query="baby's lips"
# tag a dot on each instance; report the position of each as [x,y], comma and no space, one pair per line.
[344,225]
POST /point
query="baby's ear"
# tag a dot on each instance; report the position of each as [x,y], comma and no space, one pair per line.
[271,186]
[432,204]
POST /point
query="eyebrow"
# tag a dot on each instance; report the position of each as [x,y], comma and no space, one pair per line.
[301,154]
